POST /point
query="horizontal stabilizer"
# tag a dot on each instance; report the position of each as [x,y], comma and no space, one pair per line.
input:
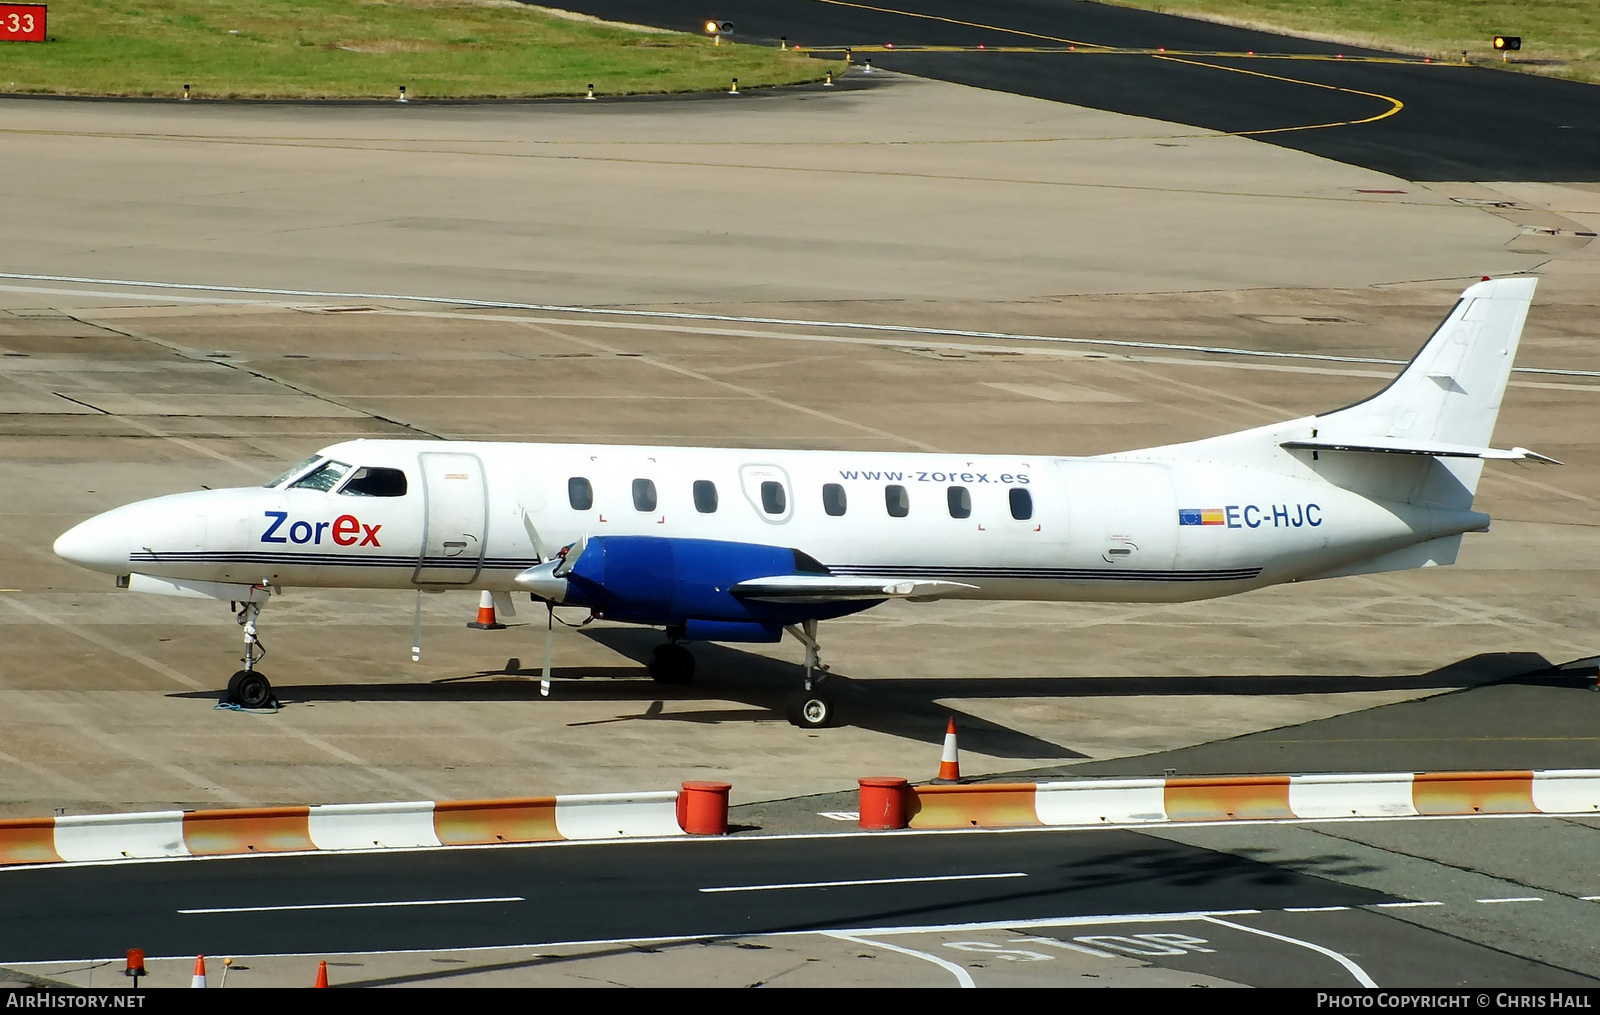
[1404,446]
[828,588]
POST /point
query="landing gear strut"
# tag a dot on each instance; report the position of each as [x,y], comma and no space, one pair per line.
[249,688]
[672,664]
[811,707]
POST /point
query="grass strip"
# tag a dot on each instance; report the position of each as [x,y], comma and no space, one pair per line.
[341,49]
[1559,37]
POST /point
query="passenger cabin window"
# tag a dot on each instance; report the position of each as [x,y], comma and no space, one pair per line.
[325,478]
[897,501]
[291,473]
[1021,504]
[580,494]
[773,500]
[960,502]
[705,496]
[833,500]
[373,481]
[644,495]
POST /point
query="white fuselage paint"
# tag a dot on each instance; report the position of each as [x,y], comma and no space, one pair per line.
[1167,525]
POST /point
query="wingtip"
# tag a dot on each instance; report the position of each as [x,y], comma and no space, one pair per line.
[1535,456]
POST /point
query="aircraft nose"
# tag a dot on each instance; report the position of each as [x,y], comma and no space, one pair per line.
[100,544]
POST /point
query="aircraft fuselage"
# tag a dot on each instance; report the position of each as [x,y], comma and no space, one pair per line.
[475,514]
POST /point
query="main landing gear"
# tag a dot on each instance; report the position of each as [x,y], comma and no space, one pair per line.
[810,708]
[671,664]
[249,688]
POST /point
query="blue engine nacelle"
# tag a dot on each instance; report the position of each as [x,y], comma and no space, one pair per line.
[685,582]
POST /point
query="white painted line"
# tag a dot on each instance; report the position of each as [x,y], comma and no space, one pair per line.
[1316,909]
[1518,898]
[963,977]
[841,815]
[1403,905]
[1589,898]
[736,319]
[869,881]
[1047,921]
[350,905]
[1343,960]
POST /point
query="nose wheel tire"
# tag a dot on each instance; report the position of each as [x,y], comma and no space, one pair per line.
[672,664]
[810,710]
[250,689]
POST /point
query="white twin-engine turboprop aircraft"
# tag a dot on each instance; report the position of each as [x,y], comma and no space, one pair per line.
[729,545]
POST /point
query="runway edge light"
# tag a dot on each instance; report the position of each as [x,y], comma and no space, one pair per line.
[1504,44]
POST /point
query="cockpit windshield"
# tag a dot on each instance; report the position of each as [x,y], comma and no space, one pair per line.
[288,473]
[325,477]
[374,481]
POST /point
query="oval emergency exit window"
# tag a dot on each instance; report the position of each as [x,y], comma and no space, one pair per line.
[773,499]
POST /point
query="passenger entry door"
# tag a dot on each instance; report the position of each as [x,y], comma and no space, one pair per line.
[456,519]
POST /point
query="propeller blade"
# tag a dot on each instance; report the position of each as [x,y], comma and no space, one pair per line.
[533,537]
[416,630]
[549,650]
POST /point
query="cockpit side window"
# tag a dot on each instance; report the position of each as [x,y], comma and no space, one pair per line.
[326,477]
[374,481]
[291,473]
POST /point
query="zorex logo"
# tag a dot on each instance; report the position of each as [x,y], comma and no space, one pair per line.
[347,529]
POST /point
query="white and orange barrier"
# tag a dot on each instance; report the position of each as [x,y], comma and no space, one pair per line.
[349,826]
[1254,797]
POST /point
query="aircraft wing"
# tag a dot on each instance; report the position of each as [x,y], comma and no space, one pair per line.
[1406,446]
[827,588]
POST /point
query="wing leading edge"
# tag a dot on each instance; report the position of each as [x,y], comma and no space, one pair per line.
[828,588]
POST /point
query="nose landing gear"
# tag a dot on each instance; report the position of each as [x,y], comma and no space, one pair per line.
[249,688]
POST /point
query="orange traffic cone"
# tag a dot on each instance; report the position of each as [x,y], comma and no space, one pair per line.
[486,621]
[199,972]
[950,760]
[322,974]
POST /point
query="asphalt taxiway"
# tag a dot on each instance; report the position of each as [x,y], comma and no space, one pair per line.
[1240,905]
[1439,120]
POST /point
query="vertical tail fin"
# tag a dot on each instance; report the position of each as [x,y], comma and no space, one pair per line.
[1450,392]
